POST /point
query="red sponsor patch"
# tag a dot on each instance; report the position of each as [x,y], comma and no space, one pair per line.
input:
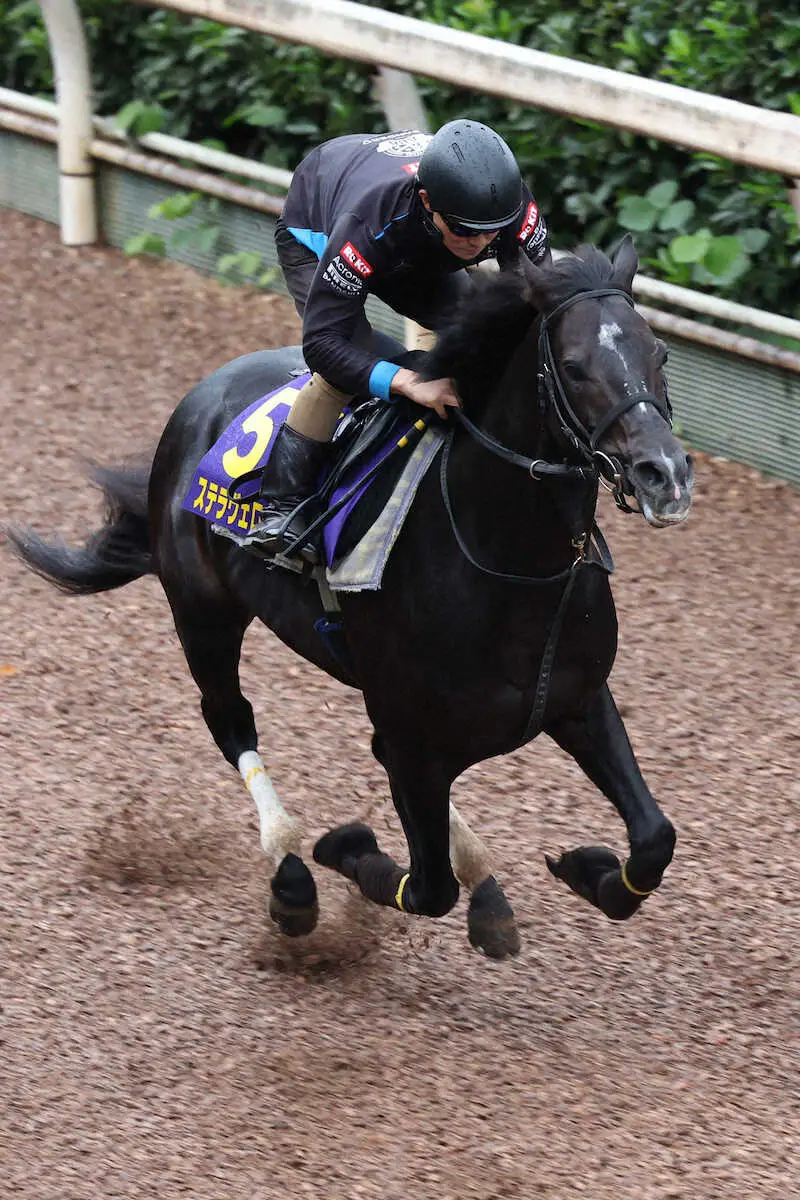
[356,260]
[531,221]
[411,168]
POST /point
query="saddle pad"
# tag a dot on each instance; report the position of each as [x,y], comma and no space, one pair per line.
[244,446]
[362,569]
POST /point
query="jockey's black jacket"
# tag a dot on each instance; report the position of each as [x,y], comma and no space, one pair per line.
[353,201]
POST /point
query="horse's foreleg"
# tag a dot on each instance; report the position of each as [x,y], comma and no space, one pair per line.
[212,642]
[599,744]
[293,903]
[420,790]
[491,924]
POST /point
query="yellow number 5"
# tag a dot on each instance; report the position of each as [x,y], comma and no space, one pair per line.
[261,424]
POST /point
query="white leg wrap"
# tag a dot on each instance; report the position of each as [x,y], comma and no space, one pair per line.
[280,834]
[468,855]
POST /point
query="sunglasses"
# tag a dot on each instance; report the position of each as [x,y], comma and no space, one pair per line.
[458,228]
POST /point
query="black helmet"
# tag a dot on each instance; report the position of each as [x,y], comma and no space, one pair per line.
[470,174]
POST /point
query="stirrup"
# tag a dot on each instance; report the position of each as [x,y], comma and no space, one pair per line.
[278,542]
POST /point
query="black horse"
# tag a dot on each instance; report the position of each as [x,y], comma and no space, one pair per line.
[495,618]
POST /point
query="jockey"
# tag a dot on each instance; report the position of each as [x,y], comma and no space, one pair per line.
[398,216]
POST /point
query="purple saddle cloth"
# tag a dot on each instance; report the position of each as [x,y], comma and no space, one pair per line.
[245,446]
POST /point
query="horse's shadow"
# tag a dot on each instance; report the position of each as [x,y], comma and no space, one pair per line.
[131,850]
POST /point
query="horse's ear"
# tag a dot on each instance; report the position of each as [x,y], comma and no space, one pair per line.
[535,282]
[626,264]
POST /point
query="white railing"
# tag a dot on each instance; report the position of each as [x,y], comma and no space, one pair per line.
[39,117]
[740,132]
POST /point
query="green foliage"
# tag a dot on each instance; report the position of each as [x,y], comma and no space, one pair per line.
[145,243]
[175,207]
[203,234]
[696,257]
[274,102]
[137,118]
[247,266]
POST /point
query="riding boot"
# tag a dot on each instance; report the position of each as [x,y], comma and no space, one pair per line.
[291,475]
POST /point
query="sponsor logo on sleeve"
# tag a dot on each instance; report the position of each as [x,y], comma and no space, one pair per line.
[356,260]
[529,224]
[537,241]
[342,279]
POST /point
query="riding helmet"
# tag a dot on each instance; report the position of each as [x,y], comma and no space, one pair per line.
[471,174]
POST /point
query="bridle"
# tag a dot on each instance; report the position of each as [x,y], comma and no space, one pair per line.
[552,396]
[551,392]
[598,468]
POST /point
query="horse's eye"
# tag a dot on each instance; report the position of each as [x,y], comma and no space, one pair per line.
[662,353]
[574,371]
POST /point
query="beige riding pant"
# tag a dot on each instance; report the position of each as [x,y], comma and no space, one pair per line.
[316,409]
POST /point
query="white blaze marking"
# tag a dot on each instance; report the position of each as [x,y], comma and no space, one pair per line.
[671,475]
[280,834]
[609,332]
[608,336]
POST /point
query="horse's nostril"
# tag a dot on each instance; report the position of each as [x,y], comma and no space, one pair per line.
[651,475]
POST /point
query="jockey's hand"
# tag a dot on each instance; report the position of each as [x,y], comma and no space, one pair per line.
[430,393]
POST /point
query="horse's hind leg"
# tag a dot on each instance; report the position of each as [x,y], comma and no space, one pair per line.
[211,636]
[599,744]
[491,924]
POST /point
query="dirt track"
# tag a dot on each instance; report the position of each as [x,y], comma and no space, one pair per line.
[160,1039]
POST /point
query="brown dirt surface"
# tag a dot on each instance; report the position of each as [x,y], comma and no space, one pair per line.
[161,1039]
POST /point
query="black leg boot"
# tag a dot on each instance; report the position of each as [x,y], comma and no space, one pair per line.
[291,476]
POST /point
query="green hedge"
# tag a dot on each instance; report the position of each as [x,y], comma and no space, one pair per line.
[274,101]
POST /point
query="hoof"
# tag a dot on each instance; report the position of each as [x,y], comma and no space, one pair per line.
[582,869]
[491,924]
[594,873]
[342,847]
[293,904]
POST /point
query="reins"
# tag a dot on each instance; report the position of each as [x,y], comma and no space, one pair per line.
[600,468]
[581,540]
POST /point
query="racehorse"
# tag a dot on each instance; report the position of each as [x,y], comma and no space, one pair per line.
[495,619]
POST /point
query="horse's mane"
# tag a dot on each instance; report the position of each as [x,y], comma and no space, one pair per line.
[492,321]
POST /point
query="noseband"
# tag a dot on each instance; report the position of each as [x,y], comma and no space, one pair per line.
[551,392]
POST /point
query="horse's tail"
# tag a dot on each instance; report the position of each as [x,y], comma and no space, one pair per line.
[113,555]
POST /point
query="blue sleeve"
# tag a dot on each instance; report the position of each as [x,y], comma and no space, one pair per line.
[380,380]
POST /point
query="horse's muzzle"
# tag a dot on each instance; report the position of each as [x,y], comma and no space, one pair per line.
[663,487]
